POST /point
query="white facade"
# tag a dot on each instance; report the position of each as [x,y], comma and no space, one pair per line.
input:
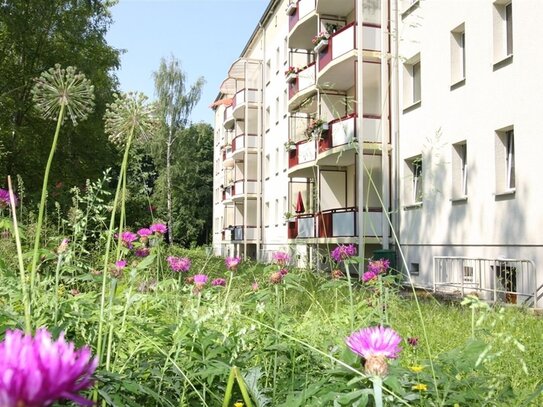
[445,138]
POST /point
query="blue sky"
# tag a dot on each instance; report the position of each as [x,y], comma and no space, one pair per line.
[205,35]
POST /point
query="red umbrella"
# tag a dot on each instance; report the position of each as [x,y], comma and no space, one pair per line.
[300,203]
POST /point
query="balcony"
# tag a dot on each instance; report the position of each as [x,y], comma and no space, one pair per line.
[243,142]
[336,63]
[228,192]
[244,98]
[244,188]
[303,85]
[302,23]
[228,118]
[336,223]
[342,132]
[240,233]
[301,160]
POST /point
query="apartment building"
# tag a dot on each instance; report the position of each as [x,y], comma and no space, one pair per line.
[406,127]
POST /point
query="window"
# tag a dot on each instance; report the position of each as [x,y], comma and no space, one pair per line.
[277,110]
[276,214]
[505,160]
[412,82]
[267,214]
[460,170]
[503,31]
[458,54]
[285,51]
[413,184]
[468,274]
[414,269]
[268,71]
[277,60]
[267,167]
[267,118]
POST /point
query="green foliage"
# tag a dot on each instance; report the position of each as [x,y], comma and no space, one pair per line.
[34,36]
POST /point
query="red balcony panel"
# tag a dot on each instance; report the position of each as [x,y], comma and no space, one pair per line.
[292,229]
[234,145]
[325,57]
[293,158]
[293,88]
[325,140]
[294,17]
[325,224]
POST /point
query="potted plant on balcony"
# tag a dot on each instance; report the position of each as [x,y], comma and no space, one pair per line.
[316,128]
[291,74]
[291,8]
[290,146]
[320,41]
[289,217]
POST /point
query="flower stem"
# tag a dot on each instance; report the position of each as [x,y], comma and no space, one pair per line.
[351,301]
[24,288]
[57,278]
[378,391]
[35,255]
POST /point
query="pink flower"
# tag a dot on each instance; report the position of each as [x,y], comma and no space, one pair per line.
[200,279]
[368,276]
[375,341]
[375,345]
[378,266]
[142,252]
[232,263]
[127,238]
[121,264]
[179,264]
[159,228]
[281,258]
[38,371]
[343,252]
[218,282]
[283,272]
[4,198]
[255,286]
[144,232]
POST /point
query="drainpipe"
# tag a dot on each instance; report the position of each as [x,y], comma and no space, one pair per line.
[259,146]
[359,121]
[395,118]
[385,135]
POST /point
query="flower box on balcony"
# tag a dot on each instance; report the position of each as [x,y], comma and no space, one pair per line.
[291,77]
[321,45]
[291,8]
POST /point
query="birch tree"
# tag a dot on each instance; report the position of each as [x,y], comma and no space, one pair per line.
[175,104]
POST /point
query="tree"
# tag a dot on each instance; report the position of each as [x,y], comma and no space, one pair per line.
[34,36]
[175,105]
[192,194]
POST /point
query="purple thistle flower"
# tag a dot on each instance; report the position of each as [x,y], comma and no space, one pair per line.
[378,266]
[142,252]
[144,232]
[179,264]
[255,286]
[281,258]
[127,238]
[4,198]
[368,276]
[218,282]
[375,341]
[200,279]
[120,264]
[232,263]
[159,228]
[36,372]
[283,272]
[343,252]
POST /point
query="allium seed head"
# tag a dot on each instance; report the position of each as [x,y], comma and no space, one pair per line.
[129,114]
[59,87]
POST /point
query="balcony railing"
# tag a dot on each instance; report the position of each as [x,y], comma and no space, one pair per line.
[343,131]
[242,187]
[250,233]
[344,40]
[303,8]
[245,95]
[305,152]
[339,222]
[228,116]
[244,141]
[228,192]
[306,79]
